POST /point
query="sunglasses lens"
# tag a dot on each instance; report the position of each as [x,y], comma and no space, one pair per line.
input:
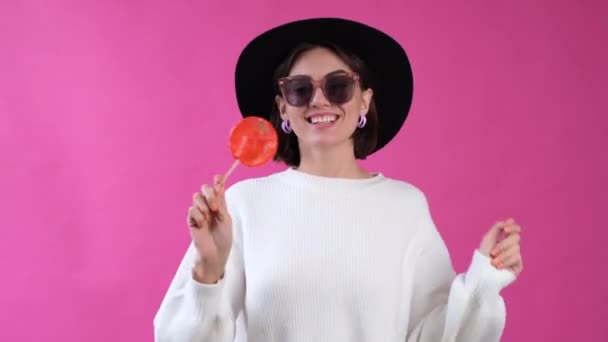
[339,88]
[298,91]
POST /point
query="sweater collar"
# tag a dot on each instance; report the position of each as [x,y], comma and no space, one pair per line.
[310,181]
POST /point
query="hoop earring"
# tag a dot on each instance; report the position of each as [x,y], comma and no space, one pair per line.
[362,121]
[286,126]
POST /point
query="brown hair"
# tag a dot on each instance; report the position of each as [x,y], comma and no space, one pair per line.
[365,139]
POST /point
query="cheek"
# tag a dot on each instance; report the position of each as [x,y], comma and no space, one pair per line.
[295,114]
[351,110]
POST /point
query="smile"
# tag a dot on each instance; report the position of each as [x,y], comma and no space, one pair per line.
[322,118]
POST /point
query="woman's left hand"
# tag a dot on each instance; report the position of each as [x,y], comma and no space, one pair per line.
[504,249]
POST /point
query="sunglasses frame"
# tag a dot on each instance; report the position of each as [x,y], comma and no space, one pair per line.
[318,84]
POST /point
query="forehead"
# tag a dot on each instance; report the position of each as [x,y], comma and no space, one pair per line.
[317,63]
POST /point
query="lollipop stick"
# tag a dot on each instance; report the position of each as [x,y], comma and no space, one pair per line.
[234,165]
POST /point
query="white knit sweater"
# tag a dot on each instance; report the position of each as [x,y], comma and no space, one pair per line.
[326,259]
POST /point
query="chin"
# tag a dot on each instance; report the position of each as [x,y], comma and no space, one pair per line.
[324,141]
[324,136]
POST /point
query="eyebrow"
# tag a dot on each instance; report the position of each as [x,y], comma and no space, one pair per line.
[339,71]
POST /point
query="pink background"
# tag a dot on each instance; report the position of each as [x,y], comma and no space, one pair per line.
[113,113]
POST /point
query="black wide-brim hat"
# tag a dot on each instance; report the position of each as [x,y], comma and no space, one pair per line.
[389,67]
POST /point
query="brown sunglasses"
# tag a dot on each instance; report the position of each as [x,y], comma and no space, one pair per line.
[338,88]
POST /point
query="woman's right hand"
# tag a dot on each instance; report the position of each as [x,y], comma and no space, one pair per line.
[211,231]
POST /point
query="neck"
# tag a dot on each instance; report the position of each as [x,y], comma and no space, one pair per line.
[336,161]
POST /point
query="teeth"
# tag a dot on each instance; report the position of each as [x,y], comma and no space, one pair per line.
[323,119]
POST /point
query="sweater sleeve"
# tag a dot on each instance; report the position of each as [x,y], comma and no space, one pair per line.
[454,307]
[196,312]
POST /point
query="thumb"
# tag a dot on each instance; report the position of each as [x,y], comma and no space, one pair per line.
[491,237]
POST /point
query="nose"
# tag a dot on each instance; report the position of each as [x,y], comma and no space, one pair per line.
[318,98]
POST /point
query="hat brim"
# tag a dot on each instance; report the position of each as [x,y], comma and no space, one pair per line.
[386,60]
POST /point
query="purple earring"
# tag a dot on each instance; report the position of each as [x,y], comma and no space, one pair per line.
[362,121]
[286,126]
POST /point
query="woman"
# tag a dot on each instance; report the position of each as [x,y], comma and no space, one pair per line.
[325,250]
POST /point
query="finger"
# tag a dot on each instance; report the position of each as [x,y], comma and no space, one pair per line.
[519,267]
[219,188]
[215,202]
[508,258]
[201,205]
[504,255]
[507,227]
[492,237]
[192,223]
[210,196]
[509,241]
[506,243]
[512,260]
[494,232]
[220,199]
[516,269]
[195,215]
[512,228]
[218,182]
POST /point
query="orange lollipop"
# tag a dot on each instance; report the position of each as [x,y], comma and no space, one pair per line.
[253,142]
